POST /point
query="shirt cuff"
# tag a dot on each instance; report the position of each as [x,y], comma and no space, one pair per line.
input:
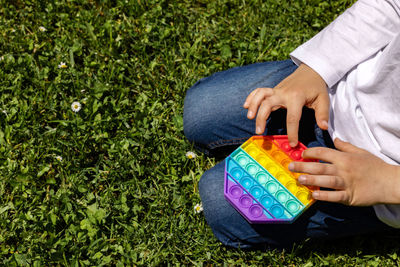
[318,64]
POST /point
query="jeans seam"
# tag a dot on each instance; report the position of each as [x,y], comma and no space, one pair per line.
[226,142]
[245,242]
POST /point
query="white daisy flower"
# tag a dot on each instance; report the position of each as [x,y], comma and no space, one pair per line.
[59,158]
[42,29]
[191,155]
[198,208]
[76,106]
[62,65]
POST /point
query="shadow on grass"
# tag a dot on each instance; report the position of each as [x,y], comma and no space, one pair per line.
[379,244]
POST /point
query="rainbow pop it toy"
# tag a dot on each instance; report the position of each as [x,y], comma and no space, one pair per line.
[260,186]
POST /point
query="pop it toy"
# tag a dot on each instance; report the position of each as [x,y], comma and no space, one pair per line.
[260,186]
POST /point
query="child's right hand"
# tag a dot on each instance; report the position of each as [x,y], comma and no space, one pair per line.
[304,87]
[355,176]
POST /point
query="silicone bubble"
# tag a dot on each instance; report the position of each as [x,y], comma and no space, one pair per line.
[277,211]
[285,163]
[242,159]
[262,159]
[252,150]
[292,206]
[282,196]
[278,155]
[272,169]
[245,201]
[246,181]
[236,173]
[272,187]
[282,177]
[296,155]
[291,185]
[286,146]
[303,196]
[256,191]
[262,177]
[252,168]
[266,201]
[256,211]
[236,191]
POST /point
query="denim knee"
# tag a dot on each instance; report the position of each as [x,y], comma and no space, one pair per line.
[195,120]
[213,118]
[215,208]
[226,223]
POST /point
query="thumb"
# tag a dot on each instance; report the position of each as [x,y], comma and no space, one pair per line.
[321,109]
[346,146]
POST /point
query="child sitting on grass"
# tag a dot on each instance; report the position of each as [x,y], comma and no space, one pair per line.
[349,75]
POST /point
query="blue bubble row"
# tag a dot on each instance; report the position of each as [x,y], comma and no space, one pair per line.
[266,213]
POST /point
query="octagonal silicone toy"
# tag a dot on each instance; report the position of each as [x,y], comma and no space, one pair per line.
[260,186]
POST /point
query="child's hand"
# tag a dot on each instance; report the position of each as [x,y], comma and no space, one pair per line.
[358,177]
[304,87]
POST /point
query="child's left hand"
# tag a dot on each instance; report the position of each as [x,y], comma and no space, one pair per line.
[358,177]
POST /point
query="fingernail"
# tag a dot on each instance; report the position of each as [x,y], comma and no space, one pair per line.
[250,114]
[258,130]
[302,179]
[315,194]
[245,104]
[291,166]
[293,144]
[325,124]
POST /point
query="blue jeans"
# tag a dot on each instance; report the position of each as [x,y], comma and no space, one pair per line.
[216,122]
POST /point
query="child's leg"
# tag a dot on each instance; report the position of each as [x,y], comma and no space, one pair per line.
[214,118]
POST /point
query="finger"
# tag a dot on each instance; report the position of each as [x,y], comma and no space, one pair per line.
[293,116]
[327,181]
[256,100]
[322,111]
[346,146]
[249,97]
[314,168]
[263,113]
[322,153]
[331,196]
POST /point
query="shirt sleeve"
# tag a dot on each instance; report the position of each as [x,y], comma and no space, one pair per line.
[357,34]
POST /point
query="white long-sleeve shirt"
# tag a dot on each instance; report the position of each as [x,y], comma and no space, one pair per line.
[358,56]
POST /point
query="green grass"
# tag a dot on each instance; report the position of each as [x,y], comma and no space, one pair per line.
[124,192]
